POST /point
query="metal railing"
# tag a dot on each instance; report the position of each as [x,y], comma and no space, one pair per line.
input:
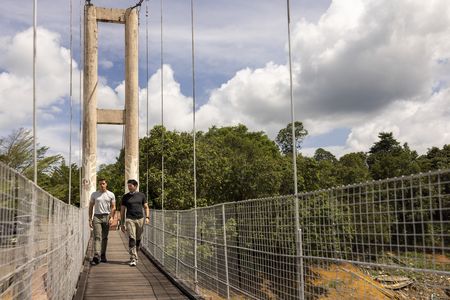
[386,239]
[42,241]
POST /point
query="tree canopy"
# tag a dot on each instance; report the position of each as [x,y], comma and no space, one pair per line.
[284,137]
[233,164]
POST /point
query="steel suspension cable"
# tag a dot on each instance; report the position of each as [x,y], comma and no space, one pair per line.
[34,92]
[70,103]
[194,145]
[298,243]
[294,144]
[80,91]
[146,78]
[162,109]
[162,136]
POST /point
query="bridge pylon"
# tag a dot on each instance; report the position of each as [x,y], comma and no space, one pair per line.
[92,115]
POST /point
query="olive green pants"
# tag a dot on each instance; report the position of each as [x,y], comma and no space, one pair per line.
[101,230]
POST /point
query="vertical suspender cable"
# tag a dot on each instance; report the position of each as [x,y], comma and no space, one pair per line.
[138,8]
[162,137]
[34,91]
[194,145]
[294,144]
[162,110]
[146,78]
[70,103]
[80,91]
[294,163]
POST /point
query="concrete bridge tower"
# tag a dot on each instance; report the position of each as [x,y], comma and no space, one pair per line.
[92,115]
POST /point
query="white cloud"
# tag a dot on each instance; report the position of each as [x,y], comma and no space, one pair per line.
[52,73]
[421,125]
[177,111]
[366,65]
[257,98]
[177,107]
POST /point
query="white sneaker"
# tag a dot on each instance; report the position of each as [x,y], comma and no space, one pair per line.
[133,262]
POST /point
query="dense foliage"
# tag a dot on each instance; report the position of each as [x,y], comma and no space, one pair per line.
[232,164]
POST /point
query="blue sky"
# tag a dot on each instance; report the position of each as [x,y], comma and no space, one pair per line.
[360,67]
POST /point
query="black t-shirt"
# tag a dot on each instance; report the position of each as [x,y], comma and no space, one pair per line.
[134,204]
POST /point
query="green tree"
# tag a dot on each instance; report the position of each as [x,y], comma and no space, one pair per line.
[387,158]
[177,148]
[284,137]
[16,151]
[232,164]
[353,168]
[435,159]
[56,182]
[235,164]
[321,154]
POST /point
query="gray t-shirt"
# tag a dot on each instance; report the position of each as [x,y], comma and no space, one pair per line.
[102,202]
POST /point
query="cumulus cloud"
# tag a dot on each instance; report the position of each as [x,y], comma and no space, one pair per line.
[52,73]
[177,111]
[422,125]
[177,107]
[365,65]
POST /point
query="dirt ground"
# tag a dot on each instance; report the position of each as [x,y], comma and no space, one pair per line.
[348,282]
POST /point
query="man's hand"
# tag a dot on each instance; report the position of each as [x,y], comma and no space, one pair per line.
[147,220]
[111,220]
[90,224]
[122,227]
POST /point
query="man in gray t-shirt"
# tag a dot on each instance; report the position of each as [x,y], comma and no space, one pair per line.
[103,207]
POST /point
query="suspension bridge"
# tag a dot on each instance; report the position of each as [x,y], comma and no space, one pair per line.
[386,239]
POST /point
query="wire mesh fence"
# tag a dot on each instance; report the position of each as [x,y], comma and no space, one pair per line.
[42,241]
[386,239]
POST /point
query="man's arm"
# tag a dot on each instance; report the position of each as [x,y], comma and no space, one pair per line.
[147,213]
[122,217]
[113,212]
[113,206]
[91,207]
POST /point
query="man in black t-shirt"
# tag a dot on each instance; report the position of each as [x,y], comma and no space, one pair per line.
[134,203]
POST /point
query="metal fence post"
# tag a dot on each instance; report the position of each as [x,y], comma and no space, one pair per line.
[195,252]
[32,224]
[299,250]
[225,250]
[300,254]
[163,237]
[154,234]
[178,244]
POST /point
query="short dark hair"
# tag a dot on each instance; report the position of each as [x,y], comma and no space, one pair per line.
[102,179]
[133,182]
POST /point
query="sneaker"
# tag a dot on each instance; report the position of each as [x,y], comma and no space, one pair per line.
[95,261]
[133,262]
[103,259]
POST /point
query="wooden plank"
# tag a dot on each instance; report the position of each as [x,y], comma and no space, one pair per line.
[116,279]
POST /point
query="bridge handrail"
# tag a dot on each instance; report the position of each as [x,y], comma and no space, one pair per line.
[248,248]
[42,240]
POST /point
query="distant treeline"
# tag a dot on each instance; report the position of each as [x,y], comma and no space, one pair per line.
[233,164]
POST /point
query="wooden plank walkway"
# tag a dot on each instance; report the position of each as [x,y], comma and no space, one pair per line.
[117,280]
